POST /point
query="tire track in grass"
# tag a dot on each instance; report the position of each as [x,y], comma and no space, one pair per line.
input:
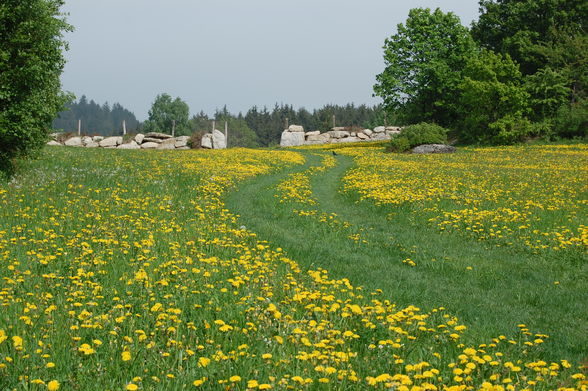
[491,289]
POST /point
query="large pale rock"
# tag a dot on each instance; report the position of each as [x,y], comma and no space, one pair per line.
[162,136]
[149,145]
[139,138]
[167,144]
[131,145]
[380,136]
[393,128]
[339,133]
[363,136]
[367,131]
[86,140]
[111,141]
[292,139]
[152,140]
[92,144]
[314,133]
[218,140]
[434,148]
[379,129]
[392,132]
[295,128]
[318,137]
[206,141]
[181,141]
[338,128]
[350,140]
[54,143]
[97,139]
[74,142]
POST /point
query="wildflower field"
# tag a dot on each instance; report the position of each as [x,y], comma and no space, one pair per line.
[259,269]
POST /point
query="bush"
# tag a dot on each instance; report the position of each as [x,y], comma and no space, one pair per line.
[510,129]
[419,134]
[572,121]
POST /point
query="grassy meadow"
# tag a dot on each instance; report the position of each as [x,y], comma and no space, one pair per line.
[295,269]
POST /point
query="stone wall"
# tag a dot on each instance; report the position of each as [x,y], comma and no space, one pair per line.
[140,141]
[296,136]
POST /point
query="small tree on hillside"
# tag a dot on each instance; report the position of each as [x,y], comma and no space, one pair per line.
[31,62]
[164,111]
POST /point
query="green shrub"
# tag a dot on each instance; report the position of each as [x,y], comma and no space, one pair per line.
[510,129]
[399,144]
[419,134]
[572,121]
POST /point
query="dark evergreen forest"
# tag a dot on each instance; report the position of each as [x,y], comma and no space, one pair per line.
[95,119]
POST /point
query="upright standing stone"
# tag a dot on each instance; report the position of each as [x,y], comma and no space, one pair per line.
[218,140]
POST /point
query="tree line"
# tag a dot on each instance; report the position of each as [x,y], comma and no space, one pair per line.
[94,118]
[520,71]
[258,127]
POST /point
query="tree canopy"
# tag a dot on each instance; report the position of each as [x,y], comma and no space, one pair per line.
[166,114]
[521,70]
[423,62]
[31,62]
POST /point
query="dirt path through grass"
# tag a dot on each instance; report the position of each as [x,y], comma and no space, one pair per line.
[490,289]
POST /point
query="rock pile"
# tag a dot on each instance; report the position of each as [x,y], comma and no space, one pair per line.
[295,135]
[214,140]
[151,140]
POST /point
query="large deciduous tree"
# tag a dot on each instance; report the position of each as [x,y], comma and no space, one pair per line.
[493,101]
[31,62]
[518,27]
[167,113]
[424,61]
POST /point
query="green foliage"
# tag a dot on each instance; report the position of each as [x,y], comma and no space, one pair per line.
[164,111]
[518,27]
[31,62]
[419,134]
[492,100]
[572,120]
[510,129]
[548,90]
[399,144]
[423,66]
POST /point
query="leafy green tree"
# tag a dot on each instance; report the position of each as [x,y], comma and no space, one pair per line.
[493,101]
[31,62]
[164,111]
[423,62]
[549,91]
[518,27]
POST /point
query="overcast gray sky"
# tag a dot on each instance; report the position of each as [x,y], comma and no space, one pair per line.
[240,53]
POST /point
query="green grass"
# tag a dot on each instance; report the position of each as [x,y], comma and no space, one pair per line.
[506,286]
[104,252]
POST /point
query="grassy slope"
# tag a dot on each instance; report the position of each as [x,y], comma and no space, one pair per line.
[506,287]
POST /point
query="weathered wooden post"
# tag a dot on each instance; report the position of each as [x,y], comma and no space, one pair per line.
[173,128]
[287,123]
[79,127]
[124,127]
[227,134]
[334,122]
[213,125]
